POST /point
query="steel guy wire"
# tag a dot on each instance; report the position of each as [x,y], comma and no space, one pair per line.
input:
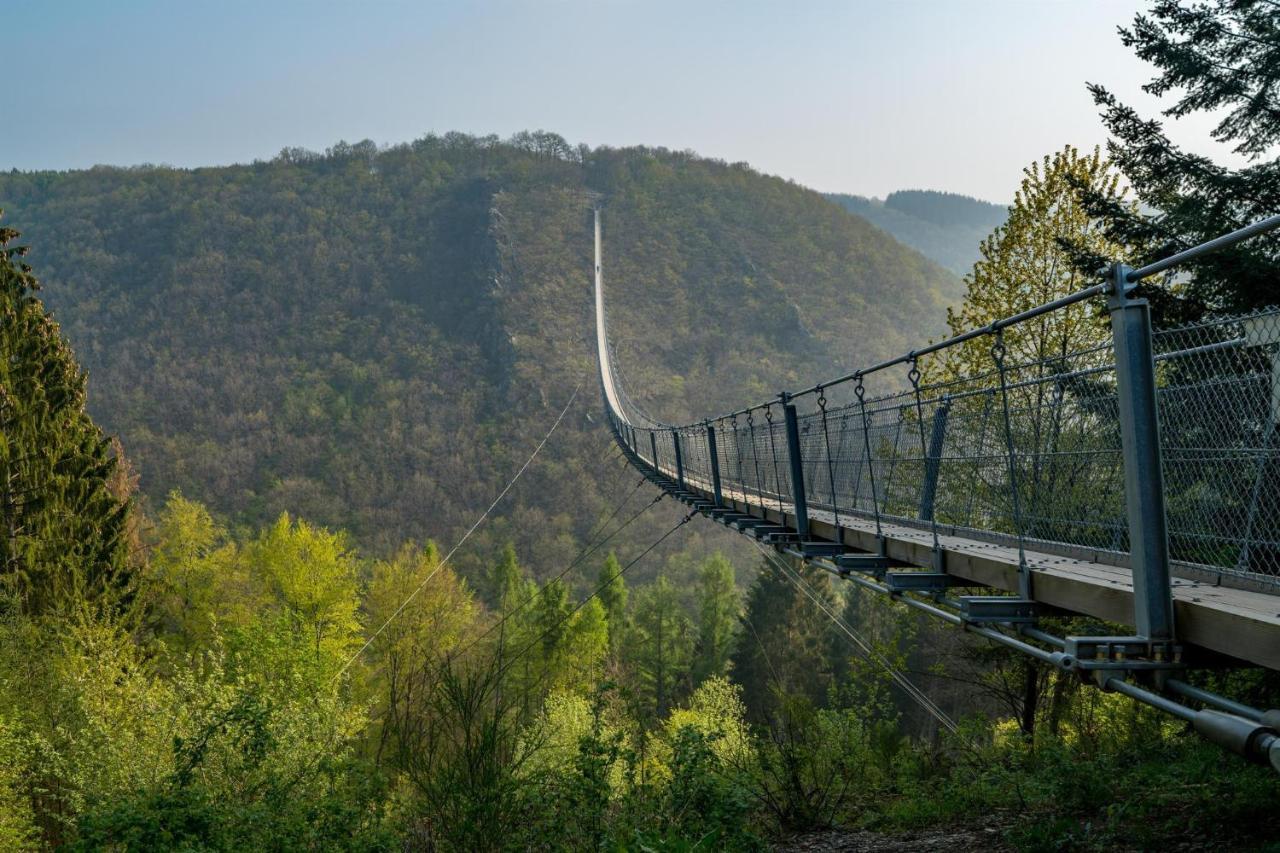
[914,692]
[898,677]
[901,680]
[764,653]
[464,538]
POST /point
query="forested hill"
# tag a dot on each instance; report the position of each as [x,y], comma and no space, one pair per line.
[375,339]
[945,227]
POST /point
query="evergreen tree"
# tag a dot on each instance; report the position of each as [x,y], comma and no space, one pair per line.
[585,646]
[1219,56]
[552,617]
[787,643]
[506,587]
[718,611]
[659,647]
[65,533]
[613,595]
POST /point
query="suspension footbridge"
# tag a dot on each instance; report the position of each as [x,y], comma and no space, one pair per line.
[1070,460]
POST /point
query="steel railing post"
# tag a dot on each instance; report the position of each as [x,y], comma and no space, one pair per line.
[715,465]
[933,462]
[653,448]
[675,443]
[1140,445]
[797,466]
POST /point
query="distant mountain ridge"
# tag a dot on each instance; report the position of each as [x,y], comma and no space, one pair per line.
[944,227]
[373,338]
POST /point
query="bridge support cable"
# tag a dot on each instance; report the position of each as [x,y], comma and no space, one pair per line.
[905,684]
[929,480]
[773,457]
[830,458]
[414,594]
[998,352]
[860,391]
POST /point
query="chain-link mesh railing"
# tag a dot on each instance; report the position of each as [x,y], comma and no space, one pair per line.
[1219,406]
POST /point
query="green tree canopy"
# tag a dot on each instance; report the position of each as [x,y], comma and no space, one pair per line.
[613,595]
[787,644]
[659,646]
[1025,263]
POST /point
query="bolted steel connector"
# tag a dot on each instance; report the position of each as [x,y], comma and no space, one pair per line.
[1257,742]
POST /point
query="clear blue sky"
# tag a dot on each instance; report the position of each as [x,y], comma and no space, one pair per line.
[862,96]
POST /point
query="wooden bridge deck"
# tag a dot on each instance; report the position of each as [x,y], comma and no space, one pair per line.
[1240,623]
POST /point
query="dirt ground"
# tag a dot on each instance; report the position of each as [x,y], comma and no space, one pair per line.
[951,840]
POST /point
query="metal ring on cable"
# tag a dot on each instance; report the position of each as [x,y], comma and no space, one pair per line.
[913,375]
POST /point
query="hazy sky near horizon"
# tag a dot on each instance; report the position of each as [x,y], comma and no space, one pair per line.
[859,96]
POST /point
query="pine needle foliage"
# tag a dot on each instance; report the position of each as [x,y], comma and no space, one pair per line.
[64,533]
[1221,57]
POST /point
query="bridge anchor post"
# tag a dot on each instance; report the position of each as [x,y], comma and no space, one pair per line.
[933,461]
[933,468]
[1140,443]
[1153,650]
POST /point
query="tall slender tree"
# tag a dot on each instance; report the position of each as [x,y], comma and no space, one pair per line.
[505,585]
[718,610]
[659,646]
[64,533]
[787,643]
[613,595]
